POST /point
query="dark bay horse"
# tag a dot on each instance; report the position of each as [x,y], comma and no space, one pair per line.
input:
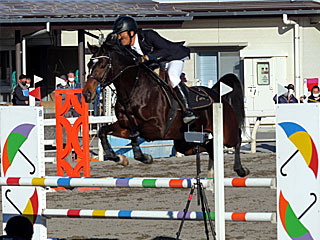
[142,104]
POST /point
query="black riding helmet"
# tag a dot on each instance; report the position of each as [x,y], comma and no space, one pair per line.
[125,24]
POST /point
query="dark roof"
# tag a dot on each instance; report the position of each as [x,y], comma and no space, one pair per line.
[13,11]
[88,13]
[271,7]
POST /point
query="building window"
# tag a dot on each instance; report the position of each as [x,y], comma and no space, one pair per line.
[211,65]
[229,62]
[207,67]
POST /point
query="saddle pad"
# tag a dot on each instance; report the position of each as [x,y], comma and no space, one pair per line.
[198,98]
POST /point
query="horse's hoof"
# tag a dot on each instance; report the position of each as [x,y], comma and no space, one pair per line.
[247,171]
[146,159]
[242,172]
[123,160]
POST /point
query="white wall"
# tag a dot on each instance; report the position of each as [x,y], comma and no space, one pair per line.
[310,49]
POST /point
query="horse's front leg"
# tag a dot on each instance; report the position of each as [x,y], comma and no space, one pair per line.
[138,155]
[242,172]
[115,130]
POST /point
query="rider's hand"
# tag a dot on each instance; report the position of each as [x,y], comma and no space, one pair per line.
[144,58]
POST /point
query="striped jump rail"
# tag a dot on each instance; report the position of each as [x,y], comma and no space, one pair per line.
[132,182]
[156,215]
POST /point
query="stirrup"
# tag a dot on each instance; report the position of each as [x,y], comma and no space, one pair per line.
[189,117]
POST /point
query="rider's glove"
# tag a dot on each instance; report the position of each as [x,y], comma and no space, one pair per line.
[144,58]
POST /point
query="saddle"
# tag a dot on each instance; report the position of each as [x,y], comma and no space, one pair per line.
[198,97]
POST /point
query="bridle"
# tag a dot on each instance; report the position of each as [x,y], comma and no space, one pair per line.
[95,60]
[102,80]
[124,103]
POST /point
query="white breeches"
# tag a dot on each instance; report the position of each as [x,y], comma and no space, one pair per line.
[175,68]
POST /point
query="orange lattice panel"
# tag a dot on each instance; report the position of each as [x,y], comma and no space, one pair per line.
[72,131]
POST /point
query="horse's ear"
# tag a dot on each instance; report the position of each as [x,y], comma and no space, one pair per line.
[92,48]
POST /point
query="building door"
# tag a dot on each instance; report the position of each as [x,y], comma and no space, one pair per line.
[261,78]
[259,81]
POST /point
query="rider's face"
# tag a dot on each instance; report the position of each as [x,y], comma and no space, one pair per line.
[125,38]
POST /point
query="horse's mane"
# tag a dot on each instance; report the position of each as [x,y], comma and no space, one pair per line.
[112,44]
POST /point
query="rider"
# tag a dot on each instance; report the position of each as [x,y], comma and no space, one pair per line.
[152,47]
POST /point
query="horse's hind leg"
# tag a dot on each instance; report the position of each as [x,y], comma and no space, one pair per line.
[138,155]
[209,148]
[104,131]
[242,172]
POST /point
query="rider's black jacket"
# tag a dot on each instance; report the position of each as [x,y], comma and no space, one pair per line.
[160,49]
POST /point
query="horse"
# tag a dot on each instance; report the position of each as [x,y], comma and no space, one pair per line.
[143,106]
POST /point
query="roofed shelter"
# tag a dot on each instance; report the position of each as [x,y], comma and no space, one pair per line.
[30,34]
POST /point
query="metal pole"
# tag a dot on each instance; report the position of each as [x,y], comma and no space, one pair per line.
[24,55]
[18,53]
[297,59]
[218,171]
[81,57]
[296,52]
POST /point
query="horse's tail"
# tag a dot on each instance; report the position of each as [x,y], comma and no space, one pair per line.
[235,97]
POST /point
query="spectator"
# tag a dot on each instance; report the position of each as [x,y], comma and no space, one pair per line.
[315,96]
[28,84]
[287,97]
[183,77]
[19,98]
[72,83]
[63,85]
[18,227]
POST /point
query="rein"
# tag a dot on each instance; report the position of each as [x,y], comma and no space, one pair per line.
[124,103]
[104,77]
[152,73]
[118,74]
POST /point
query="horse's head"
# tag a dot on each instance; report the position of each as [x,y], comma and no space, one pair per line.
[99,68]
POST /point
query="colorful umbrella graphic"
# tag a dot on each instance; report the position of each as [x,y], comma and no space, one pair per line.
[291,223]
[304,143]
[13,143]
[31,209]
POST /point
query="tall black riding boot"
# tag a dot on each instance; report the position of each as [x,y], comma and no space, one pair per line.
[183,95]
